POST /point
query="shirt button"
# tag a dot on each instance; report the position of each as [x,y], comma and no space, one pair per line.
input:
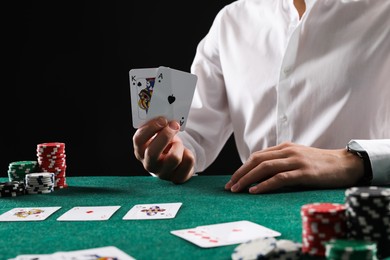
[283,118]
[287,70]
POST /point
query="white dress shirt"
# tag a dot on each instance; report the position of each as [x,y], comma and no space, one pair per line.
[268,77]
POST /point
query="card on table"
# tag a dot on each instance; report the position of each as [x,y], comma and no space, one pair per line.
[108,252]
[161,91]
[33,257]
[89,213]
[153,211]
[222,234]
[28,214]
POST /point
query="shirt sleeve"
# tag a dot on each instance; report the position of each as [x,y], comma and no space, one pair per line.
[209,125]
[379,153]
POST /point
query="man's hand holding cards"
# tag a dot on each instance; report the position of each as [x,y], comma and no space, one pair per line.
[161,91]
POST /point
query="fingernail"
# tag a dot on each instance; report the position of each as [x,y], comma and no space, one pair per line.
[235,187]
[228,185]
[253,189]
[174,125]
[161,122]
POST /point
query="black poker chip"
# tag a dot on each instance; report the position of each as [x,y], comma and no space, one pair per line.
[368,216]
[12,189]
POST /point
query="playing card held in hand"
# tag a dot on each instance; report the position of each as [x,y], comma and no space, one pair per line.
[161,91]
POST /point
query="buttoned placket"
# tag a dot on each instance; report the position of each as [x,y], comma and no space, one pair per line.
[283,126]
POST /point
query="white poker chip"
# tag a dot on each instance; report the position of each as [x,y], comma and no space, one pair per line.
[39,183]
[286,249]
[40,175]
[254,249]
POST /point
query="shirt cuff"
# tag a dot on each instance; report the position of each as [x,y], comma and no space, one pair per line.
[378,151]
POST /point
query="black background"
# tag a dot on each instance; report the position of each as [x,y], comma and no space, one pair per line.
[66,77]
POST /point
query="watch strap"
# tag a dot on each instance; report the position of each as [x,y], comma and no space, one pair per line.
[354,148]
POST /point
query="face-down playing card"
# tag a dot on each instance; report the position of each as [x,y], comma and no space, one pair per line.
[172,95]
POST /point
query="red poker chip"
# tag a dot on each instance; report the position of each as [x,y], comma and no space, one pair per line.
[332,209]
[60,184]
[321,222]
[51,145]
[50,150]
[51,162]
[54,160]
[61,187]
[56,171]
[50,153]
[53,166]
[59,174]
[51,156]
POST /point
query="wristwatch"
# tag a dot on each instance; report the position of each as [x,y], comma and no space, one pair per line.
[355,148]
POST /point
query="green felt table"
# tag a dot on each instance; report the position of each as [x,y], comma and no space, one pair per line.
[204,202]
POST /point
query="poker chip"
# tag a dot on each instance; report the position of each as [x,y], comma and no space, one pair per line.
[40,182]
[12,189]
[321,222]
[368,216]
[350,249]
[254,249]
[286,250]
[268,249]
[17,170]
[51,157]
[44,175]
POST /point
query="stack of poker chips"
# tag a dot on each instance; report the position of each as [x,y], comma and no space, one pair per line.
[368,216]
[350,249]
[268,248]
[18,170]
[12,189]
[40,182]
[321,222]
[52,158]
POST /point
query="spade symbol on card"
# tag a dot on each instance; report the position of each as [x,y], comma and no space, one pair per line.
[171,99]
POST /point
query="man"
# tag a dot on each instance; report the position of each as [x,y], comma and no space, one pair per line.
[296,82]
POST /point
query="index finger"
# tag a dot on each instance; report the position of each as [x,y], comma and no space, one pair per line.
[146,132]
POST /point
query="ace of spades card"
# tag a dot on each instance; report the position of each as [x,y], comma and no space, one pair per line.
[172,95]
